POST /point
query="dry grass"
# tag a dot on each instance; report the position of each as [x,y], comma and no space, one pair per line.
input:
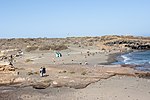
[32,73]
[72,72]
[31,48]
[28,60]
[58,47]
[45,47]
[29,73]
[63,71]
[83,73]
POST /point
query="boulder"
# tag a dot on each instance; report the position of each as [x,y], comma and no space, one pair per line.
[143,75]
[78,85]
[2,69]
[56,84]
[41,85]
[139,46]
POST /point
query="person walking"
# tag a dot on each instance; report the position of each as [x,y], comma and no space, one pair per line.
[41,72]
[11,60]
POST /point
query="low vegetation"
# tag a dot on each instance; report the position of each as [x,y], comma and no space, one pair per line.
[63,71]
[31,48]
[83,73]
[72,72]
[28,60]
[58,47]
[45,47]
[32,73]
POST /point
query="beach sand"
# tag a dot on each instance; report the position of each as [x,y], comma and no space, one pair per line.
[81,74]
[114,88]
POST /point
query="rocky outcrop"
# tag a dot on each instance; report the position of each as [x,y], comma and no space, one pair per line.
[6,68]
[41,85]
[133,44]
[139,46]
[120,42]
[143,75]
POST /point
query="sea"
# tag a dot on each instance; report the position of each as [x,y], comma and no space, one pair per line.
[139,58]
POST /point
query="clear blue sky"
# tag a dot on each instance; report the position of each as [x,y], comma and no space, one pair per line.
[61,18]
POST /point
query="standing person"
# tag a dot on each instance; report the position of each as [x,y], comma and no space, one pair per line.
[10,60]
[41,72]
[44,71]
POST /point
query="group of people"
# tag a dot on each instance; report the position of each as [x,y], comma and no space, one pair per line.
[42,71]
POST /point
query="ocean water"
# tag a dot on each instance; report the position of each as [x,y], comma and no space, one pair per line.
[139,58]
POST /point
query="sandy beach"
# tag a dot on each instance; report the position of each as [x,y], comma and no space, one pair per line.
[82,73]
[114,88]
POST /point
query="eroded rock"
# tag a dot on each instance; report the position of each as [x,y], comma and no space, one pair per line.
[56,84]
[143,74]
[7,68]
[41,85]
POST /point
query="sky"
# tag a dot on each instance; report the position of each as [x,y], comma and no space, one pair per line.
[68,18]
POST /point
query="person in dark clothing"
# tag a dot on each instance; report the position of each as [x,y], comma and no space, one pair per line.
[11,60]
[10,63]
[44,70]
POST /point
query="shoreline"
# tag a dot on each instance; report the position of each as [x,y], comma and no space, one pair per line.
[113,57]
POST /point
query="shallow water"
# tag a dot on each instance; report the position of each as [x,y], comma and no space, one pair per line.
[139,58]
